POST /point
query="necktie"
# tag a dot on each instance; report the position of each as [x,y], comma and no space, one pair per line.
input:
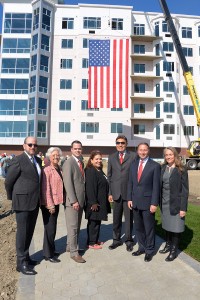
[140,169]
[34,165]
[121,157]
[81,167]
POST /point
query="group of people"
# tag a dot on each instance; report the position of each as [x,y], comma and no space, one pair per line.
[134,184]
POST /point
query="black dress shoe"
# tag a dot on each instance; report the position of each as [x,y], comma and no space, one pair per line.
[56,253]
[32,262]
[138,253]
[115,245]
[52,259]
[148,257]
[26,270]
[129,247]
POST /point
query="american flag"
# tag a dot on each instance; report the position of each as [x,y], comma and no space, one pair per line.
[108,73]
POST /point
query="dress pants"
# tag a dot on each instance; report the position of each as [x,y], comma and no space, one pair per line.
[50,226]
[120,206]
[26,221]
[73,222]
[93,230]
[144,222]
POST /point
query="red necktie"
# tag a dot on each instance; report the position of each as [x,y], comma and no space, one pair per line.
[121,157]
[81,167]
[140,169]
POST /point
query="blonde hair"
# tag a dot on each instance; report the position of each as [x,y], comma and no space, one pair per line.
[177,161]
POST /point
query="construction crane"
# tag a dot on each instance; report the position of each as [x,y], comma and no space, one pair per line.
[193,152]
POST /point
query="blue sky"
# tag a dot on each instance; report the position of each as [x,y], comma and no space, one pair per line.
[191,7]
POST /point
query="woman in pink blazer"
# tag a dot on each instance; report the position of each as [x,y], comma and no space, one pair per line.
[52,196]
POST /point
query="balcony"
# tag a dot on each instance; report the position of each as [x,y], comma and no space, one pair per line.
[139,76]
[145,38]
[145,97]
[146,116]
[145,57]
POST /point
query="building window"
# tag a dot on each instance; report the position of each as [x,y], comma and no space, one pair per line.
[13,86]
[85,63]
[156,28]
[116,128]
[84,84]
[89,127]
[17,23]
[42,128]
[31,128]
[139,29]
[116,109]
[188,51]
[32,84]
[84,106]
[139,108]
[13,107]
[65,105]
[13,129]
[168,66]
[34,62]
[34,42]
[65,84]
[139,68]
[185,90]
[64,127]
[168,107]
[139,88]
[157,132]
[91,23]
[189,130]
[46,19]
[44,63]
[36,18]
[139,129]
[191,70]
[43,84]
[168,86]
[45,42]
[67,44]
[187,32]
[169,129]
[139,49]
[66,63]
[85,43]
[188,110]
[168,47]
[31,106]
[42,106]
[16,45]
[15,65]
[117,24]
[164,26]
[68,23]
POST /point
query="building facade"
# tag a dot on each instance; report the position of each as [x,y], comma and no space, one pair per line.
[44,63]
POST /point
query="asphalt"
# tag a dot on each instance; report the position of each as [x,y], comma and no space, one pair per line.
[107,274]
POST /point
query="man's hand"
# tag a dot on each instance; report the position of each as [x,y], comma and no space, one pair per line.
[94,207]
[130,204]
[182,213]
[76,206]
[153,209]
[110,198]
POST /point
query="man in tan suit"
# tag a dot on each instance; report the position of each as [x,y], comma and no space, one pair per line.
[74,182]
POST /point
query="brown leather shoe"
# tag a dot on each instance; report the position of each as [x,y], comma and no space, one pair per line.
[78,259]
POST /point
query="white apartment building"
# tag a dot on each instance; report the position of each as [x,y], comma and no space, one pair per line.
[44,76]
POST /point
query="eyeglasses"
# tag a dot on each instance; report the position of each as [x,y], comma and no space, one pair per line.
[122,143]
[32,145]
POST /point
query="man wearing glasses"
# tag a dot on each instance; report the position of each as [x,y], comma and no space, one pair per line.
[23,188]
[118,172]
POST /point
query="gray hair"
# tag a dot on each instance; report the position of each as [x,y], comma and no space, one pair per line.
[51,150]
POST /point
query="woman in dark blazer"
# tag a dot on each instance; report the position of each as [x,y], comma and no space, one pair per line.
[97,205]
[174,200]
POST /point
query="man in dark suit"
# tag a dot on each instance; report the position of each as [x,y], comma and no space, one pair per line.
[143,196]
[23,188]
[118,171]
[74,182]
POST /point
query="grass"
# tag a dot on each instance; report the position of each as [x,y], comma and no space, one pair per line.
[190,238]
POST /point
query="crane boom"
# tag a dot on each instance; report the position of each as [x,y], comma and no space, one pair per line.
[186,71]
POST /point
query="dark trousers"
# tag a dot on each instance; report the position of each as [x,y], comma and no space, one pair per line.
[26,221]
[144,222]
[120,206]
[50,226]
[93,230]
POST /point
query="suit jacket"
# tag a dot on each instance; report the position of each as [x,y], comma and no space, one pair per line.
[23,183]
[146,192]
[179,190]
[118,174]
[52,187]
[74,182]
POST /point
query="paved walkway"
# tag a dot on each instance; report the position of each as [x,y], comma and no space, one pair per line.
[107,275]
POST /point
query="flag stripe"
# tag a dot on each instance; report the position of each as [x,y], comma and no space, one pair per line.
[126,74]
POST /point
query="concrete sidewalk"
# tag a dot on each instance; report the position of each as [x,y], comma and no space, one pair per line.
[107,275]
